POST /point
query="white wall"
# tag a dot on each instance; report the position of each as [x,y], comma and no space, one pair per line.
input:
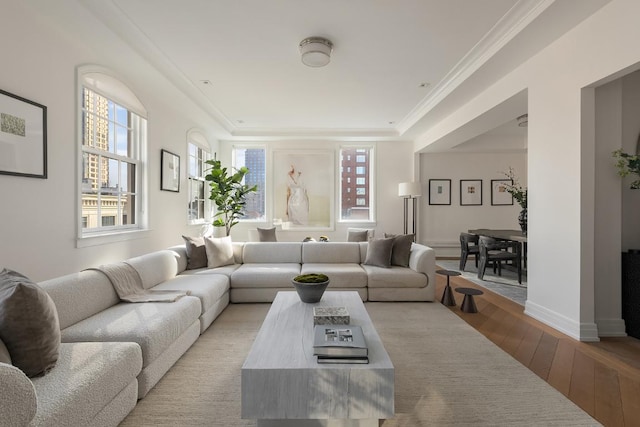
[392,165]
[38,217]
[561,158]
[440,224]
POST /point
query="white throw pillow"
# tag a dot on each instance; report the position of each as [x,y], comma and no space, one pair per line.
[219,251]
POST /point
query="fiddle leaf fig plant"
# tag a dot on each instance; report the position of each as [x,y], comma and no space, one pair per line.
[628,164]
[228,192]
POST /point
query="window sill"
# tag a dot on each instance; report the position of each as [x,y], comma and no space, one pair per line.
[106,238]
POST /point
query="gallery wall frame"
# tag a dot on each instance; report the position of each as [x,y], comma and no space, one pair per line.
[23,136]
[440,192]
[499,194]
[169,171]
[303,185]
[470,192]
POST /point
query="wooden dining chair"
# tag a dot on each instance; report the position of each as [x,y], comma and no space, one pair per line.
[499,251]
[468,246]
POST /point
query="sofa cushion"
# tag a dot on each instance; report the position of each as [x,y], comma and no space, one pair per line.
[394,277]
[379,252]
[267,234]
[331,252]
[401,249]
[208,287]
[196,252]
[268,252]
[155,267]
[153,325]
[342,275]
[219,251]
[5,357]
[88,376]
[29,325]
[354,235]
[224,270]
[268,275]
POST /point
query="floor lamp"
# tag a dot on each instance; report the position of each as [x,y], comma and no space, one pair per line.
[410,191]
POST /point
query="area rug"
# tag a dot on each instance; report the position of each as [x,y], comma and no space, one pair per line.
[447,374]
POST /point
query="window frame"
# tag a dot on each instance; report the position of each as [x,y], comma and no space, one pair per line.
[198,140]
[104,83]
[369,186]
[262,147]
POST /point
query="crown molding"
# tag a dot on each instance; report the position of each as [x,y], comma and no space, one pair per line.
[512,23]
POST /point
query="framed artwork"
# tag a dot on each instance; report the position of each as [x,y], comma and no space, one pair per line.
[439,191]
[470,192]
[499,194]
[303,187]
[23,137]
[169,171]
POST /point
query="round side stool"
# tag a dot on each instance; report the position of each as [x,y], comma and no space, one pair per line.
[447,295]
[468,303]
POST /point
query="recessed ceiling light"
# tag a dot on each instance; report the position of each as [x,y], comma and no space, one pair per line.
[205,82]
[240,121]
[424,84]
[391,122]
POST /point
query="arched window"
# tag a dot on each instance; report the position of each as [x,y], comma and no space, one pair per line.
[113,139]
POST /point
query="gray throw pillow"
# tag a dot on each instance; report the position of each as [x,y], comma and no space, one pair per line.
[357,235]
[5,357]
[196,252]
[401,250]
[29,324]
[379,252]
[267,234]
[219,251]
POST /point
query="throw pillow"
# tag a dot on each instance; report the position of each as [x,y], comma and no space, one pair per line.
[401,249]
[379,252]
[267,234]
[196,252]
[5,357]
[219,251]
[357,235]
[29,324]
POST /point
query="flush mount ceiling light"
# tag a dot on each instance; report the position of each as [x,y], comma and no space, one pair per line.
[315,51]
[523,120]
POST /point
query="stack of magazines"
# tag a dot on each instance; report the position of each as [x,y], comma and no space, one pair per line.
[340,344]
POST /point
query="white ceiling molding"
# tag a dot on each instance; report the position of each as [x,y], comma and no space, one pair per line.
[514,21]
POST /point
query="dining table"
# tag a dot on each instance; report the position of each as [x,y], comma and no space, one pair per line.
[510,235]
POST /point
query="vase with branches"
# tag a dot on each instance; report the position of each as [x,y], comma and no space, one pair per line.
[519,193]
[628,164]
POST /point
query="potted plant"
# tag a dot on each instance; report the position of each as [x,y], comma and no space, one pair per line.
[519,193]
[628,164]
[228,192]
[310,287]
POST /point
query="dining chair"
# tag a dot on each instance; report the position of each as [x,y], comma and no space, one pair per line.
[468,246]
[499,251]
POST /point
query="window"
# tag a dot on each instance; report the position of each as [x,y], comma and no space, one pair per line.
[113,140]
[198,207]
[356,179]
[255,160]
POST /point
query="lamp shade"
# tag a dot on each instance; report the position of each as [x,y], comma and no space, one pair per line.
[315,51]
[409,189]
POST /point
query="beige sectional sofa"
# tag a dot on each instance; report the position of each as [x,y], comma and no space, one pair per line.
[113,353]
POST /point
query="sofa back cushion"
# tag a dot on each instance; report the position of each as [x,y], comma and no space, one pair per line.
[155,267]
[272,252]
[331,252]
[79,296]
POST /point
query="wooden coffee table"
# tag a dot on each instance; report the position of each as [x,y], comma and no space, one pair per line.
[283,385]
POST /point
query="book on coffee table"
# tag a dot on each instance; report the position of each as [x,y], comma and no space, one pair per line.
[339,341]
[331,359]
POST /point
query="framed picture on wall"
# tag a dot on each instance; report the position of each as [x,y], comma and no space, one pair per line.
[499,194]
[303,189]
[439,191]
[169,171]
[23,137]
[470,192]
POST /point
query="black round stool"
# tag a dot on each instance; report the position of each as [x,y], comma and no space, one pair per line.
[468,303]
[447,295]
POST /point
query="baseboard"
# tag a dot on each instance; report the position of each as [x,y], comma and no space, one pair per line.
[587,332]
[611,327]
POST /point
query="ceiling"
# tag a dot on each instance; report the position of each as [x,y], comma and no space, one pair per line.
[393,62]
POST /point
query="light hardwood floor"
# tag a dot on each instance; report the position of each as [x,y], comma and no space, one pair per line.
[602,378]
